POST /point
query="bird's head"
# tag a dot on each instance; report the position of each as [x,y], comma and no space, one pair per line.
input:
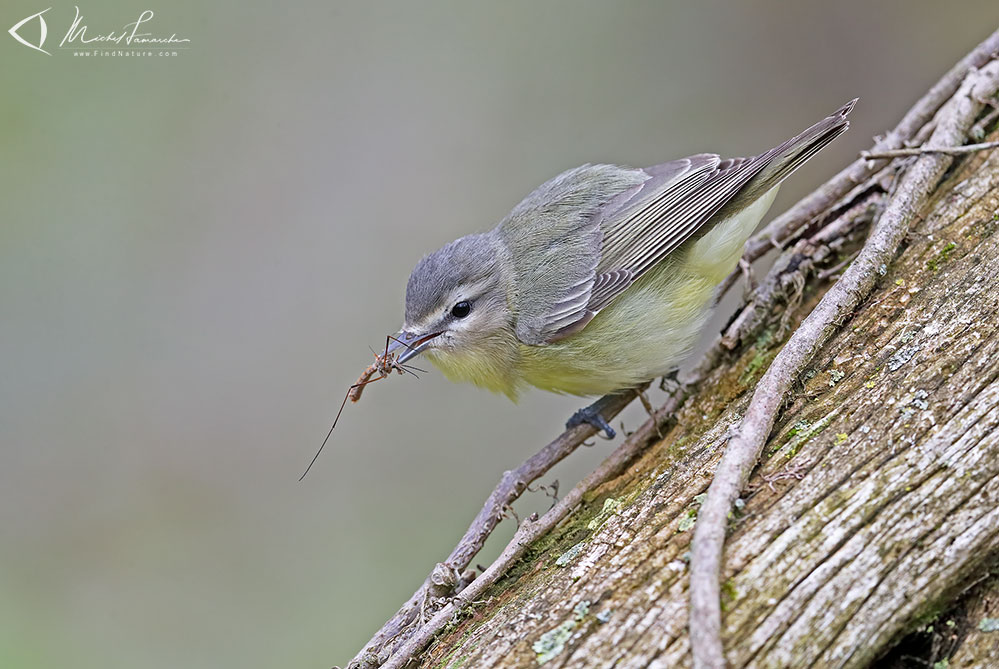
[457,301]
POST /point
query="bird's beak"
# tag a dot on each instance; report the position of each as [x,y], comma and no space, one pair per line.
[409,345]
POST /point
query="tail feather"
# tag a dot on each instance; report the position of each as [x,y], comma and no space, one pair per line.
[792,154]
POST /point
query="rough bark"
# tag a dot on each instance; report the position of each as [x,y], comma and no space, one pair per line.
[975,625]
[873,510]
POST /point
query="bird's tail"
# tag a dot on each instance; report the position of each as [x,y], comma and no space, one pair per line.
[792,154]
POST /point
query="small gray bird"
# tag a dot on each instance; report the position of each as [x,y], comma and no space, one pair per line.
[601,279]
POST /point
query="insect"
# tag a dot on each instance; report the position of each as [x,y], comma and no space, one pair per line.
[383,366]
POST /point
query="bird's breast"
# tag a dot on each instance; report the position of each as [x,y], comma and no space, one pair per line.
[644,333]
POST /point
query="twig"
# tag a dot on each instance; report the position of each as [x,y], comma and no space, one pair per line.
[550,490]
[799,260]
[808,208]
[530,531]
[795,470]
[979,130]
[922,150]
[510,487]
[835,269]
[744,448]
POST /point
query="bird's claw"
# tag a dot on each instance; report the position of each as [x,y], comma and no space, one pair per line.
[591,415]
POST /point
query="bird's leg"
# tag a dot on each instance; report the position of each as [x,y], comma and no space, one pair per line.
[592,415]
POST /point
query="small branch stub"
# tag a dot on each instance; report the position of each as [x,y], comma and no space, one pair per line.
[922,150]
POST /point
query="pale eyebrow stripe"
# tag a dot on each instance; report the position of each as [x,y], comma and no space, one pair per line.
[467,291]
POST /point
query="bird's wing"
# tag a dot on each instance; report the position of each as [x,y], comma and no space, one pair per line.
[589,233]
[640,229]
[553,241]
[640,232]
[582,238]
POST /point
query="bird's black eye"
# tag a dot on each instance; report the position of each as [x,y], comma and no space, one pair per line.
[461,309]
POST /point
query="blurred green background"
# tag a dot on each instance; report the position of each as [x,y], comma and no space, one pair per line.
[196,253]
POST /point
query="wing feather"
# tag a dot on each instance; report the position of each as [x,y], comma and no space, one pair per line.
[553,239]
[579,240]
[660,216]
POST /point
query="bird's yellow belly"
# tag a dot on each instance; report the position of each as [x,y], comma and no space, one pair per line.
[653,325]
[644,333]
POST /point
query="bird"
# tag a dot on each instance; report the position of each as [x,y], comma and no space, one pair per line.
[601,279]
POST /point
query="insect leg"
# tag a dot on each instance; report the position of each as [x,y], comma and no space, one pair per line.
[356,386]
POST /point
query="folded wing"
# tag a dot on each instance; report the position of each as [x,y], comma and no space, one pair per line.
[581,239]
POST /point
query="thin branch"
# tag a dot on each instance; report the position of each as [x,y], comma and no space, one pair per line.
[801,259]
[923,150]
[808,208]
[979,130]
[744,448]
[510,487]
[837,268]
[531,530]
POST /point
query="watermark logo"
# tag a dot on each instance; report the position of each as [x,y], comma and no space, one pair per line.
[43,29]
[82,40]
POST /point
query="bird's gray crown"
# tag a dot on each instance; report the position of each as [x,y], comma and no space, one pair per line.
[436,278]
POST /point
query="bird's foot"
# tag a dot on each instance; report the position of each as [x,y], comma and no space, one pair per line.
[591,415]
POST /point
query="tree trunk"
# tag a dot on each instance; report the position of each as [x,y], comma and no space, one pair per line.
[872,513]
